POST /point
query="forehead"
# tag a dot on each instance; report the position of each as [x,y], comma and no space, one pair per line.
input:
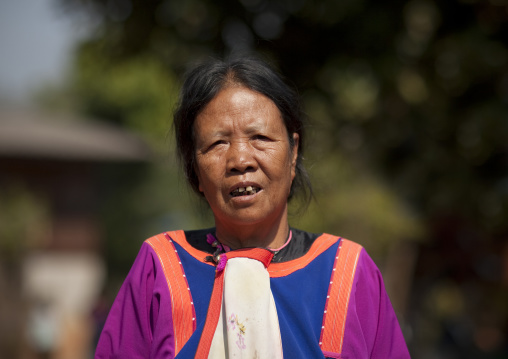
[239,106]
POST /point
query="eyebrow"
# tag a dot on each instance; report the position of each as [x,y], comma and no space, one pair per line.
[250,128]
[256,125]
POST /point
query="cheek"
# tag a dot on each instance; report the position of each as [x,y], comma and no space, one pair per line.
[281,162]
[205,173]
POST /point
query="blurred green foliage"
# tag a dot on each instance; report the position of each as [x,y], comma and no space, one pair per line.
[408,108]
[24,223]
[353,203]
[138,92]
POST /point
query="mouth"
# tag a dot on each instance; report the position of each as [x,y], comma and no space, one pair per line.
[245,191]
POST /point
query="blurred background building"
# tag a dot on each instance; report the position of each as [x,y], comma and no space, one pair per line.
[407,149]
[52,274]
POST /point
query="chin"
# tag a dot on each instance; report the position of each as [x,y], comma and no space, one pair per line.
[245,219]
[242,217]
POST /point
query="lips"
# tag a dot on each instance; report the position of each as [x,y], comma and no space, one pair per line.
[245,191]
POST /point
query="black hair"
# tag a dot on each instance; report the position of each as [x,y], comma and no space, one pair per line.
[206,80]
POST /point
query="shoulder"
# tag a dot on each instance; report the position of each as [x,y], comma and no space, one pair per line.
[372,323]
[152,255]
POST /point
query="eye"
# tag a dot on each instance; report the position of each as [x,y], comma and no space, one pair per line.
[215,144]
[261,137]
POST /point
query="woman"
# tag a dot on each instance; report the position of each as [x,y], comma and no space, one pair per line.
[251,286]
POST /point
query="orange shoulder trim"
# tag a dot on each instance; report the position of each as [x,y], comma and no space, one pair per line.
[182,305]
[179,237]
[339,290]
[321,244]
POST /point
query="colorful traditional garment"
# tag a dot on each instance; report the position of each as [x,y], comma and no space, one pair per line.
[162,307]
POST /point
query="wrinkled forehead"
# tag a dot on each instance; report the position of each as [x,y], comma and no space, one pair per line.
[235,106]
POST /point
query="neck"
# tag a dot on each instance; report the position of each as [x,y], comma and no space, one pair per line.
[236,236]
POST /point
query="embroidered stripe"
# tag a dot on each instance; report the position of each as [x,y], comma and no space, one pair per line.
[182,305]
[341,282]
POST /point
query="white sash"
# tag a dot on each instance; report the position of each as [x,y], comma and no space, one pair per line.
[248,325]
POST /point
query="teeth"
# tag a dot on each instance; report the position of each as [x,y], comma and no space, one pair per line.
[244,191]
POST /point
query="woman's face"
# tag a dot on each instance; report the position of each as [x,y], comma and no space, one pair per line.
[244,162]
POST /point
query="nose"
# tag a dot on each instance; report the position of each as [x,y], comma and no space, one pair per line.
[240,158]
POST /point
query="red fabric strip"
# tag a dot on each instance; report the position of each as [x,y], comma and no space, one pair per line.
[212,317]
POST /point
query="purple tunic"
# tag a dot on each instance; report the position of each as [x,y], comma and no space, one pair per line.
[140,323]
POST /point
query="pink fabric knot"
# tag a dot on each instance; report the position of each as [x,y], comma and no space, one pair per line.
[222,263]
[210,239]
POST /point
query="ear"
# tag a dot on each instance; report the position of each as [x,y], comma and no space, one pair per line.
[198,177]
[294,154]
